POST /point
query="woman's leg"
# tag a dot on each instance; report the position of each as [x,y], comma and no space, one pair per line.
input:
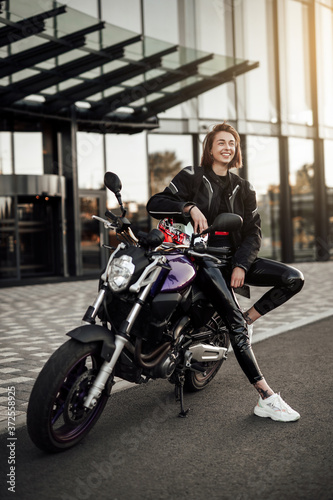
[215,285]
[285,281]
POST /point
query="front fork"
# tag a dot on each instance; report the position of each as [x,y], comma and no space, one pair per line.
[120,340]
[104,373]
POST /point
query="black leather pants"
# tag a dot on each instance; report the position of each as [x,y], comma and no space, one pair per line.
[285,281]
[217,288]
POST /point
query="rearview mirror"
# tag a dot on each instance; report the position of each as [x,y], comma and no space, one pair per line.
[225,222]
[112,182]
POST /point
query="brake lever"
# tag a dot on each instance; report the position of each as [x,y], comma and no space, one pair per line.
[107,224]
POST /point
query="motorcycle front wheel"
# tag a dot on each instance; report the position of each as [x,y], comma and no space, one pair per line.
[56,417]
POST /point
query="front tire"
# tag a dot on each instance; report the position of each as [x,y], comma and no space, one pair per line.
[56,417]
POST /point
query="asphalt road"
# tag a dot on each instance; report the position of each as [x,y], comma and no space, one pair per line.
[140,450]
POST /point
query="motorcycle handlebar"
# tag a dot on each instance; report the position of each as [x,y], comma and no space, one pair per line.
[107,224]
[222,252]
[218,251]
[210,252]
[111,216]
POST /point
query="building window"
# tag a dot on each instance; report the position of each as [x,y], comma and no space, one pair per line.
[168,154]
[214,35]
[90,160]
[123,14]
[214,26]
[161,20]
[255,42]
[328,145]
[298,69]
[89,8]
[325,65]
[301,178]
[263,173]
[126,156]
[218,104]
[6,166]
[28,153]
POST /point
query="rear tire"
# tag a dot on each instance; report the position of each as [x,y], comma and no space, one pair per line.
[56,417]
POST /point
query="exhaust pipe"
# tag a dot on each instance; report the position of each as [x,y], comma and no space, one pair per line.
[207,352]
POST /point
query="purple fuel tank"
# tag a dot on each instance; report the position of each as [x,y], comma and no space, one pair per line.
[181,275]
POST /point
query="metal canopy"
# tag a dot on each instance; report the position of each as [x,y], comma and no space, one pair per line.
[88,88]
[27,27]
[125,97]
[30,57]
[63,72]
[110,79]
[193,90]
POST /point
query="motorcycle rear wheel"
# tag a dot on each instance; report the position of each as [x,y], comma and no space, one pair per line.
[56,417]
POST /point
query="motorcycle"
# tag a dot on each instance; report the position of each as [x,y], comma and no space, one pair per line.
[150,320]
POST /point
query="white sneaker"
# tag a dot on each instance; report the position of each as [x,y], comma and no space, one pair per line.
[275,408]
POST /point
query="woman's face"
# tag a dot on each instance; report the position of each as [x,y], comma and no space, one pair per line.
[223,148]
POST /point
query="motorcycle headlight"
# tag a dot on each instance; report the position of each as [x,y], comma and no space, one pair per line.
[122,269]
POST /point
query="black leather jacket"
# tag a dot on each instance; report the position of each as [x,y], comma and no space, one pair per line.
[202,187]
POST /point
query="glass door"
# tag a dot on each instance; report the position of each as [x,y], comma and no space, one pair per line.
[8,243]
[301,175]
[38,223]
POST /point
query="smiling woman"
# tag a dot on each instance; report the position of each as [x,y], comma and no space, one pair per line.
[223,150]
[199,195]
[222,145]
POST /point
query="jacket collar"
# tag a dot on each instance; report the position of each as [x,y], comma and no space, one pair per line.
[234,179]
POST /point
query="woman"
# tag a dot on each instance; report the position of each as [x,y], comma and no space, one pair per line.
[200,194]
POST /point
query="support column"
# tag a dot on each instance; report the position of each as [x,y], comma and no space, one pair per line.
[68,165]
[321,221]
[286,225]
[195,149]
[320,203]
[244,171]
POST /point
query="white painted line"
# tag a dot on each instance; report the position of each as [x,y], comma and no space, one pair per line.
[291,326]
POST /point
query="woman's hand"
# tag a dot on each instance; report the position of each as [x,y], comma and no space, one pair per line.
[237,277]
[198,218]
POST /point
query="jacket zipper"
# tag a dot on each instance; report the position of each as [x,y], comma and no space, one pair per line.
[231,199]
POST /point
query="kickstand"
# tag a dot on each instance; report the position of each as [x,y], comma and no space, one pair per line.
[179,392]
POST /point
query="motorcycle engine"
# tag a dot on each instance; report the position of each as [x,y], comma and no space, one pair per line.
[165,368]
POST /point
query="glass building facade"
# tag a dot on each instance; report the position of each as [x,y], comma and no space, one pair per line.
[52,163]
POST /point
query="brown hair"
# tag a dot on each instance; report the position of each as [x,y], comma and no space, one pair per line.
[206,158]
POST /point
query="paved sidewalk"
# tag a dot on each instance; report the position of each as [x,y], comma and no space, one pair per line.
[35,319]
